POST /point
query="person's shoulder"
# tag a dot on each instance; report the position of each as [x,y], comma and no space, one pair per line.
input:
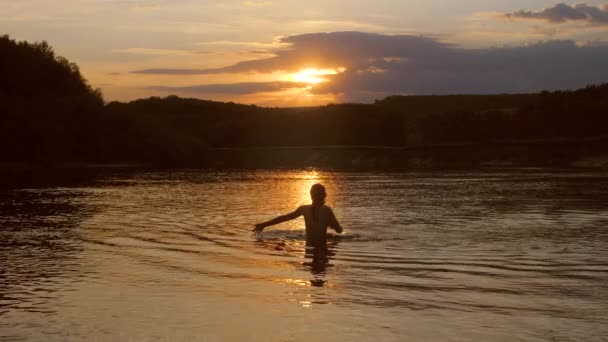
[326,207]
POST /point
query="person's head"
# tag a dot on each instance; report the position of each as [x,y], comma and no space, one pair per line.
[318,194]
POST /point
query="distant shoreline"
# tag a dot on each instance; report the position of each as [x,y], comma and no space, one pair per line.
[17,166]
[589,153]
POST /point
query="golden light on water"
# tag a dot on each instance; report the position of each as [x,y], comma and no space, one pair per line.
[308,180]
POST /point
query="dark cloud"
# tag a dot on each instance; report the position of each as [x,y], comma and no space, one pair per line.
[548,65]
[379,65]
[231,88]
[169,71]
[563,12]
[327,50]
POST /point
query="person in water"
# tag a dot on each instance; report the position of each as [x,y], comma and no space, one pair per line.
[317,217]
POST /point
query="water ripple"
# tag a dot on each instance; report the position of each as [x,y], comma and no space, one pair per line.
[453,254]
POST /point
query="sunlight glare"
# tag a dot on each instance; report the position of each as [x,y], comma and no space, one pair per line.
[308,179]
[312,76]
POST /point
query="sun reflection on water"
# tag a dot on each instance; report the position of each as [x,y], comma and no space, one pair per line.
[308,282]
[309,178]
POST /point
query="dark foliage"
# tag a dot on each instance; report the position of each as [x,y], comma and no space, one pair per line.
[546,116]
[48,111]
[49,114]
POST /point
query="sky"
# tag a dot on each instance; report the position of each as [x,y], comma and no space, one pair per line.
[304,53]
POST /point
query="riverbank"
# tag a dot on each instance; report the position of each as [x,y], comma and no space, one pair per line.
[590,153]
[575,153]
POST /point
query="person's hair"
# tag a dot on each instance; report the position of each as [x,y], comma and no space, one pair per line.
[317,194]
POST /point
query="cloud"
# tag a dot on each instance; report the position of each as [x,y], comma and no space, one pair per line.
[257,3]
[147,7]
[547,65]
[562,12]
[327,50]
[546,31]
[170,71]
[238,44]
[156,52]
[232,88]
[378,65]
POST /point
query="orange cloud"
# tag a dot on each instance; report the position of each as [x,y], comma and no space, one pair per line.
[367,66]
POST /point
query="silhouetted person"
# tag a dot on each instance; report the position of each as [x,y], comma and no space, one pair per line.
[317,217]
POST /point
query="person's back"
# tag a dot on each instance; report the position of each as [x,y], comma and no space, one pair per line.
[316,220]
[317,217]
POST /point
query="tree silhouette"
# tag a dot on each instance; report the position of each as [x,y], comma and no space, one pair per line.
[49,114]
[49,111]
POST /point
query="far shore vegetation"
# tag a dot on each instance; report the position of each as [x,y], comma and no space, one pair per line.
[50,115]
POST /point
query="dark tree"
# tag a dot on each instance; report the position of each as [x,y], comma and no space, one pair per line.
[49,112]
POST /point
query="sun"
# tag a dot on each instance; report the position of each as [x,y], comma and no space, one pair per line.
[310,76]
[313,76]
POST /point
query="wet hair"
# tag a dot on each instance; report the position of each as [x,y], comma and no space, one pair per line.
[317,194]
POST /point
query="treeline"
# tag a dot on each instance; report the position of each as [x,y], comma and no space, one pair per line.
[176,130]
[48,111]
[50,114]
[472,118]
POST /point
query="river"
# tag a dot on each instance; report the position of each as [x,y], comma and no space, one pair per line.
[502,255]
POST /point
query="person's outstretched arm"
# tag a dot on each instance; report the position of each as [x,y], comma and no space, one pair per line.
[260,226]
[334,224]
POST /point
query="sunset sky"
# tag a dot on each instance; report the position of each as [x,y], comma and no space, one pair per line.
[301,53]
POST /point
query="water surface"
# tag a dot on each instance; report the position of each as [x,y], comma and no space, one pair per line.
[493,256]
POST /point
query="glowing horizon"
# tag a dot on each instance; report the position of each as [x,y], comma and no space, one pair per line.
[312,75]
[234,51]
